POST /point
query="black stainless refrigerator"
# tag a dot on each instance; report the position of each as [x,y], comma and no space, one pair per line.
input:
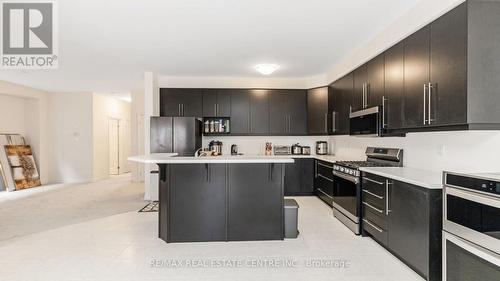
[180,135]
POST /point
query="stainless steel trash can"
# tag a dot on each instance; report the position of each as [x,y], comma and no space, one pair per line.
[291,218]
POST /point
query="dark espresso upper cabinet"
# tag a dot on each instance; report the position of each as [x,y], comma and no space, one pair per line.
[240,112]
[375,81]
[447,95]
[359,88]
[416,77]
[288,112]
[341,92]
[259,112]
[317,111]
[216,103]
[181,102]
[392,105]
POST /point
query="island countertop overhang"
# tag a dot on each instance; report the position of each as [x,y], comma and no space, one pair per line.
[172,158]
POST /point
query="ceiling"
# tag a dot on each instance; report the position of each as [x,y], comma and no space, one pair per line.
[108,45]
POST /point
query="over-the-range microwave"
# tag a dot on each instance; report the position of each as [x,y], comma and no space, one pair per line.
[365,122]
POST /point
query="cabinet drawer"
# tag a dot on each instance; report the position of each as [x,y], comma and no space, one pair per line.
[376,226]
[374,185]
[377,233]
[380,220]
[324,183]
[324,169]
[372,202]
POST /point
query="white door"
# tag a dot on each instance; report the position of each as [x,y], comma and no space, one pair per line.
[114,146]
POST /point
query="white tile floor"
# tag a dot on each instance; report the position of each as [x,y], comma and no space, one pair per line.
[122,247]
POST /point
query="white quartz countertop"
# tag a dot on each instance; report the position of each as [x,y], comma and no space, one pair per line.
[167,158]
[424,178]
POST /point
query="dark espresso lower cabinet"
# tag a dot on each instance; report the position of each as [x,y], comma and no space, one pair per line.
[197,203]
[299,177]
[253,212]
[221,202]
[409,224]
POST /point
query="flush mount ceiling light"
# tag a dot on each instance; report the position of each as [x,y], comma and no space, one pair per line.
[266,68]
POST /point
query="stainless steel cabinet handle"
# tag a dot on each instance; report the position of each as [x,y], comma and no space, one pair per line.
[373,208]
[319,189]
[326,166]
[374,181]
[326,122]
[387,207]
[289,123]
[372,225]
[429,109]
[367,95]
[425,93]
[384,124]
[373,194]
[179,110]
[334,121]
[321,176]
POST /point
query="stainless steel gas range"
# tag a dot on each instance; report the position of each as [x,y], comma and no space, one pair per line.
[347,183]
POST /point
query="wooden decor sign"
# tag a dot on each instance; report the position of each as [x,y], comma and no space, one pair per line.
[23,166]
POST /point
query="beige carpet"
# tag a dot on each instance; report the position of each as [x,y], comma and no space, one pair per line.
[48,207]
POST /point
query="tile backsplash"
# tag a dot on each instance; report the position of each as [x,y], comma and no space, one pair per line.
[255,145]
[461,151]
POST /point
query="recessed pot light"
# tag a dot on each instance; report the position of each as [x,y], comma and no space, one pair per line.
[266,68]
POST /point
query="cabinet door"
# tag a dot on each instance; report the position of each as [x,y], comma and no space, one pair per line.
[297,112]
[170,102]
[224,103]
[394,87]
[416,76]
[197,203]
[342,104]
[240,112]
[259,112]
[408,231]
[192,104]
[278,112]
[375,81]
[360,79]
[448,68]
[255,202]
[210,103]
[292,178]
[317,111]
[306,175]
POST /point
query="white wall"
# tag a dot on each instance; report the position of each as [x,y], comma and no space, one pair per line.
[103,108]
[424,12]
[137,135]
[70,134]
[32,122]
[242,82]
[461,151]
[12,115]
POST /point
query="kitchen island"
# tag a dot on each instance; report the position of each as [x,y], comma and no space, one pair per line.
[224,198]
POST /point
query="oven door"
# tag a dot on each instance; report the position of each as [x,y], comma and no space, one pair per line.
[346,195]
[473,216]
[464,261]
[365,122]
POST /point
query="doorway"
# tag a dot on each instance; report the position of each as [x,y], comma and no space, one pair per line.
[114,146]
